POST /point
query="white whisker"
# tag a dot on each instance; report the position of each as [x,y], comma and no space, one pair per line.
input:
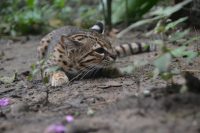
[93,68]
[80,73]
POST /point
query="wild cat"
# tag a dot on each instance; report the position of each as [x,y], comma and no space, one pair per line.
[82,52]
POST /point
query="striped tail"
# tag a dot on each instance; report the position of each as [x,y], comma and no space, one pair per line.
[128,49]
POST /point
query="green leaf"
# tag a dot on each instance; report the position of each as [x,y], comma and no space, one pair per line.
[191,40]
[136,8]
[30,77]
[138,24]
[178,52]
[33,66]
[41,62]
[59,3]
[156,15]
[182,52]
[46,80]
[178,35]
[168,11]
[52,69]
[35,71]
[32,3]
[190,54]
[166,75]
[163,62]
[173,24]
[160,28]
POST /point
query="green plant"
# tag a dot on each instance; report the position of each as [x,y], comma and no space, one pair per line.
[24,17]
[178,37]
[125,10]
[134,9]
[31,16]
[174,43]
[162,13]
[40,68]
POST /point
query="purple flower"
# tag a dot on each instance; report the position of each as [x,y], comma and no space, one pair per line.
[56,128]
[4,102]
[69,118]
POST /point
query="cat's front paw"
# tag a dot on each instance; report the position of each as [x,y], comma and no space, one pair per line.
[59,78]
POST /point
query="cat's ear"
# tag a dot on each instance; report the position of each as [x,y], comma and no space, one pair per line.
[98,27]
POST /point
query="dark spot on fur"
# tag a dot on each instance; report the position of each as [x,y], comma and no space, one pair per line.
[48,41]
[73,51]
[60,51]
[43,53]
[64,62]
[45,47]
[82,65]
[60,56]
[62,46]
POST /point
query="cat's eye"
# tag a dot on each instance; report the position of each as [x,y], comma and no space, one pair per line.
[100,50]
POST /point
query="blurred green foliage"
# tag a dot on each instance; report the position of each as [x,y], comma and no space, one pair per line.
[22,17]
[127,11]
[26,16]
[176,37]
[131,10]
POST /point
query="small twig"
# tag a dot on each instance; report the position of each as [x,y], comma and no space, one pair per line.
[47,95]
[187,70]
[41,74]
[137,24]
[104,10]
[109,14]
[126,6]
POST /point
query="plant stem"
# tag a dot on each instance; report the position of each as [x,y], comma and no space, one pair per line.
[47,95]
[1,113]
[187,70]
[109,14]
[126,7]
[41,73]
[104,10]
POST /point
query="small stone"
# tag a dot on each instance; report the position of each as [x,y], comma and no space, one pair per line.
[146,93]
[90,112]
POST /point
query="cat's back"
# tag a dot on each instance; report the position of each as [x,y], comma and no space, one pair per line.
[49,41]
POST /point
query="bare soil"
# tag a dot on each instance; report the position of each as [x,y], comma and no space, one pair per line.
[103,105]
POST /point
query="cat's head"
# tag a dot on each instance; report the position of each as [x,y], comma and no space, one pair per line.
[92,47]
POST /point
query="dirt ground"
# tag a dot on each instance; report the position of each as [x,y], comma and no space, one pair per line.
[103,105]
